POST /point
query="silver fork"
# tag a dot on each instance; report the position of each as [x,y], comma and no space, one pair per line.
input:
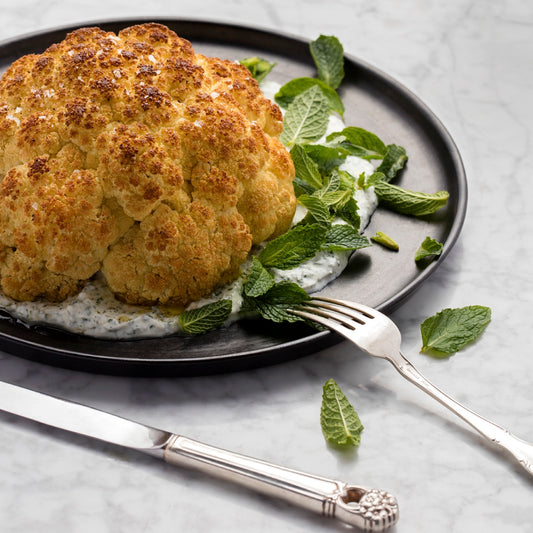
[377,335]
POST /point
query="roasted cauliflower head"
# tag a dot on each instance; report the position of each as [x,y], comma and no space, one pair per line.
[132,155]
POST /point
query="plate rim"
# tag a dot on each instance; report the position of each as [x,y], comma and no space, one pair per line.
[321,339]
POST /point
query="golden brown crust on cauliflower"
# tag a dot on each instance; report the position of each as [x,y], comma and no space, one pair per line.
[134,155]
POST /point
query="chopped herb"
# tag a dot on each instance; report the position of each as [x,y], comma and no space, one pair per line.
[259,68]
[429,248]
[393,161]
[385,240]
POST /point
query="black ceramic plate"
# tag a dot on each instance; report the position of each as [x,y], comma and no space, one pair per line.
[375,276]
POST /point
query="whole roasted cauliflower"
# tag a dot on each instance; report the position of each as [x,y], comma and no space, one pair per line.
[132,155]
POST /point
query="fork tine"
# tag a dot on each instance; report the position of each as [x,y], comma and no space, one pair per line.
[368,312]
[334,314]
[315,315]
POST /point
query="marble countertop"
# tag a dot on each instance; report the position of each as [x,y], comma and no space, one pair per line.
[469,61]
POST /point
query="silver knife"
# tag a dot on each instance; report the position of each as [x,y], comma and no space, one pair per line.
[365,508]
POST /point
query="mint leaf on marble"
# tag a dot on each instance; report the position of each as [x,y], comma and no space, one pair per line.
[429,248]
[452,329]
[259,68]
[306,119]
[328,55]
[339,421]
[205,318]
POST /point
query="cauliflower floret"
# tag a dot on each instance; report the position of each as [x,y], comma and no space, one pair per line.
[132,155]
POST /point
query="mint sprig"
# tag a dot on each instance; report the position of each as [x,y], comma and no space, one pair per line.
[338,419]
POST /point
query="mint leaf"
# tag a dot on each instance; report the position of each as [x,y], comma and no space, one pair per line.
[306,169]
[306,119]
[316,207]
[339,421]
[451,329]
[259,68]
[347,181]
[349,213]
[205,318]
[274,303]
[328,56]
[393,161]
[409,202]
[360,142]
[342,237]
[294,247]
[288,92]
[259,280]
[326,158]
[429,248]
[335,199]
[385,240]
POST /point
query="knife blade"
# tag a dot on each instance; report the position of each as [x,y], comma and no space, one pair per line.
[366,508]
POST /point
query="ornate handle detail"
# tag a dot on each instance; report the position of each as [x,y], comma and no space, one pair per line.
[368,509]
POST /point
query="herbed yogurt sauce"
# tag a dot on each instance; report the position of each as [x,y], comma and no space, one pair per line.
[95,312]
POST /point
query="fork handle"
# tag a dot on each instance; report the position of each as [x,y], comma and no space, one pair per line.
[520,449]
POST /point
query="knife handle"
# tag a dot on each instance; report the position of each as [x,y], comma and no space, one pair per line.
[367,509]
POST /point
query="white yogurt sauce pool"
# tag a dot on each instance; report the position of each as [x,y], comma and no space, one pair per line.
[95,311]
